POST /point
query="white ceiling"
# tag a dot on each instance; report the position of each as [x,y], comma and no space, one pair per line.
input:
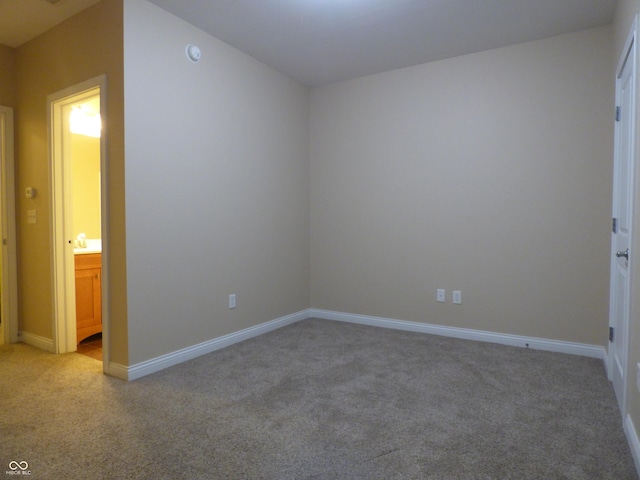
[323,41]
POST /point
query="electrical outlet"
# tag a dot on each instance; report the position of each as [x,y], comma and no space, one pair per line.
[457,297]
[440,296]
[32,216]
[232,300]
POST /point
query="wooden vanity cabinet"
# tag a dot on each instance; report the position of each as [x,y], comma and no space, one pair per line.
[88,294]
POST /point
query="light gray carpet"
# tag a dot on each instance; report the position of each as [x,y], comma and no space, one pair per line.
[317,400]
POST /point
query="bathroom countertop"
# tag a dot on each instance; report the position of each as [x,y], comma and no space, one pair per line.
[93,246]
[85,251]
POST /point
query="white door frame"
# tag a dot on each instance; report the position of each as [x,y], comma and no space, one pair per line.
[630,54]
[64,321]
[8,213]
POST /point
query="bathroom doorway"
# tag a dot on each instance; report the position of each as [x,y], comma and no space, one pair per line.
[78,196]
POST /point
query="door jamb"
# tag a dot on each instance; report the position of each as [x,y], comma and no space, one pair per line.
[63,270]
[8,213]
[630,53]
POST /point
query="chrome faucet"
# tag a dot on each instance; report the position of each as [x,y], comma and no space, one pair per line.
[81,241]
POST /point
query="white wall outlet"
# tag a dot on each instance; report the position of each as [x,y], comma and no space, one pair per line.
[440,295]
[32,216]
[457,297]
[232,300]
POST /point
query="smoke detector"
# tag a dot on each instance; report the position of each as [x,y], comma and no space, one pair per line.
[193,53]
[53,1]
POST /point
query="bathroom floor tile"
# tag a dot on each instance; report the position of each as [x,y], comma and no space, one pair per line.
[91,347]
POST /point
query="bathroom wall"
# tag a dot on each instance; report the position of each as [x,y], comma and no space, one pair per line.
[85,157]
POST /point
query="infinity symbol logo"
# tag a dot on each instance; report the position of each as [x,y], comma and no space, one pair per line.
[13,465]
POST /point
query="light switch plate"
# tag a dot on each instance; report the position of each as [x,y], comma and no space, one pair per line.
[457,297]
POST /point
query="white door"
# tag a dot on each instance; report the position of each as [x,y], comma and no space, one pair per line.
[622,216]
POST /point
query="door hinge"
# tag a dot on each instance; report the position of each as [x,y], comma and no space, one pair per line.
[614,226]
[611,334]
[617,114]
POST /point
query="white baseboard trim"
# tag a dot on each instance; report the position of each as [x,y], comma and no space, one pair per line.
[116,370]
[585,350]
[37,341]
[632,439]
[148,367]
[608,364]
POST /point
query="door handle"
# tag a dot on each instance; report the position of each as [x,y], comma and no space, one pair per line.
[624,254]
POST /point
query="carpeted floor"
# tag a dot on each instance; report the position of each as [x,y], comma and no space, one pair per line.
[317,400]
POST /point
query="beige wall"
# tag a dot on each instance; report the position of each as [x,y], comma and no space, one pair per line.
[216,184]
[85,159]
[488,173]
[625,13]
[7,78]
[85,46]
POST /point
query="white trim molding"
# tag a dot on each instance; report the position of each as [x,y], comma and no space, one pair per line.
[37,341]
[585,350]
[632,439]
[9,270]
[62,266]
[153,365]
[148,367]
[116,370]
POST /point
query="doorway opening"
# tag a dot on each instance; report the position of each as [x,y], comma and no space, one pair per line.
[79,210]
[8,254]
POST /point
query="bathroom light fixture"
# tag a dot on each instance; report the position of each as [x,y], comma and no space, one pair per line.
[193,53]
[85,123]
